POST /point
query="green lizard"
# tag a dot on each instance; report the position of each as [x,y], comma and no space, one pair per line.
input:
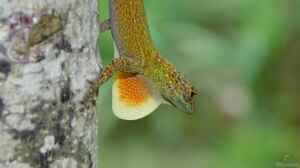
[144,78]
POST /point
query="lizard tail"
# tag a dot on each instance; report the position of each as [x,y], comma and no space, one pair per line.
[133,96]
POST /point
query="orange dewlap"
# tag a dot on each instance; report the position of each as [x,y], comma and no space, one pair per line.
[133,89]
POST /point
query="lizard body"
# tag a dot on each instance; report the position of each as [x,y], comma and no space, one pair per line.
[138,56]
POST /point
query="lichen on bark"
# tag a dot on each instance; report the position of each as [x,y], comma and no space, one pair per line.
[42,120]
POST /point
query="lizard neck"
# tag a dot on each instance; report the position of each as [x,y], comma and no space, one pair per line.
[159,70]
[130,28]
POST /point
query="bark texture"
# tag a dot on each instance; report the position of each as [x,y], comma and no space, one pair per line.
[45,65]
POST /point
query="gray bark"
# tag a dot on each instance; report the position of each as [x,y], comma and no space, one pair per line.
[43,122]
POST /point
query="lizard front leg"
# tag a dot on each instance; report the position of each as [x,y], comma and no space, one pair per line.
[121,64]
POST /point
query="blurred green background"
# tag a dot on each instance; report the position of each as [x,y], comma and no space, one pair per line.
[244,57]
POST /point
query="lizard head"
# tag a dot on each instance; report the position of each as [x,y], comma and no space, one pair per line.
[180,93]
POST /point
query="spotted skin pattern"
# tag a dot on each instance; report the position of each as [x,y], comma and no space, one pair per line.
[138,55]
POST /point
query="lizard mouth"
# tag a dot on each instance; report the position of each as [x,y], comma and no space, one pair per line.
[184,107]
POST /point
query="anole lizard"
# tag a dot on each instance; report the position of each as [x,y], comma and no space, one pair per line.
[144,79]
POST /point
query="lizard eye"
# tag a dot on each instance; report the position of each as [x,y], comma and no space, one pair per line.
[190,95]
[194,92]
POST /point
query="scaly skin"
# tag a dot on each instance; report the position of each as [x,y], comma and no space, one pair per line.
[131,34]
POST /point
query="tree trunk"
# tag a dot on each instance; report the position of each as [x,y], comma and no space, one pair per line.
[47,55]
